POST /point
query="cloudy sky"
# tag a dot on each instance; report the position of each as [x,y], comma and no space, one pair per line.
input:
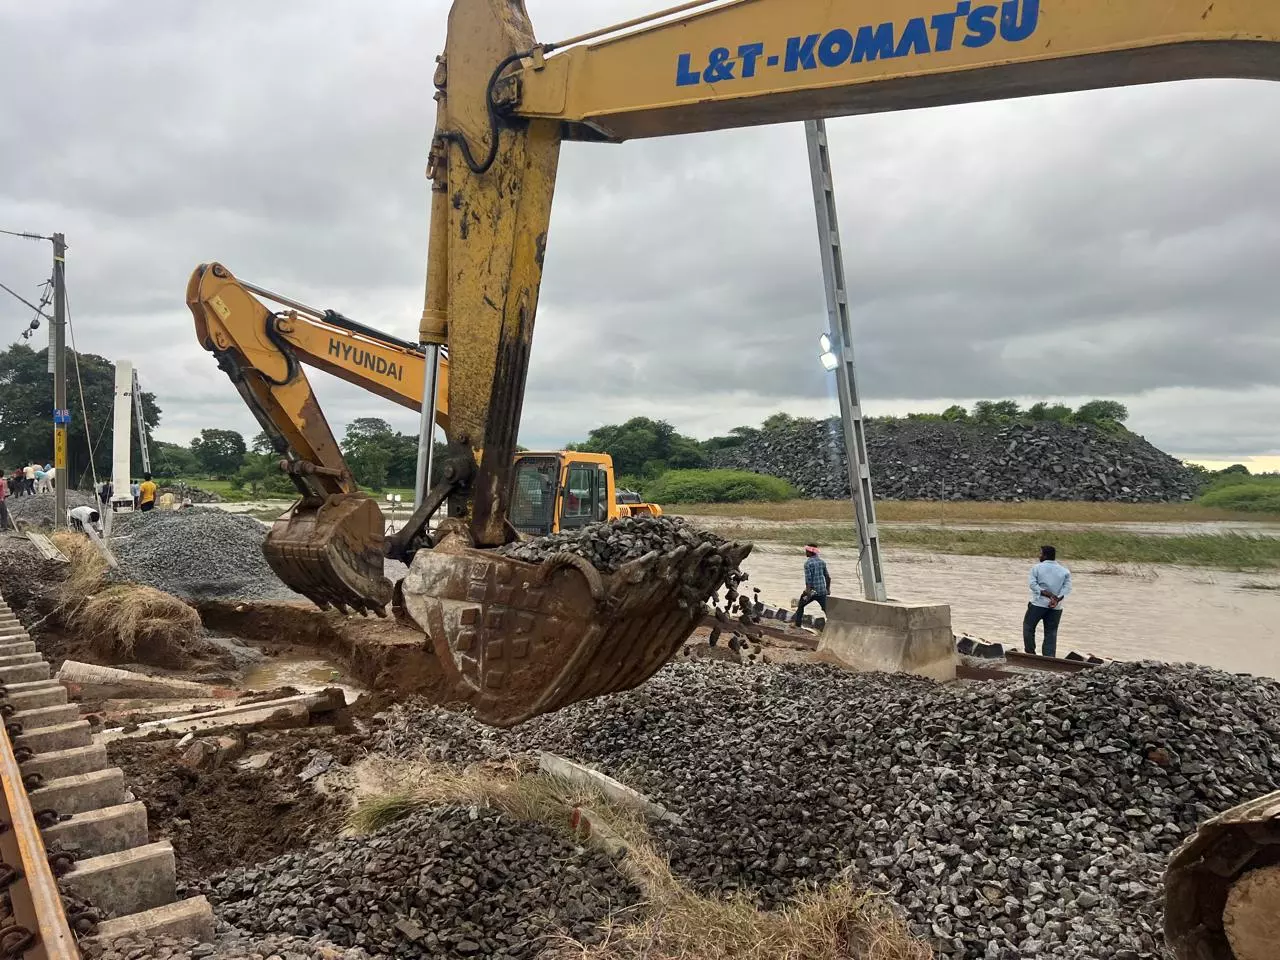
[1120,243]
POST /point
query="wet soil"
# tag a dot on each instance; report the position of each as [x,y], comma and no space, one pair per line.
[381,654]
[222,818]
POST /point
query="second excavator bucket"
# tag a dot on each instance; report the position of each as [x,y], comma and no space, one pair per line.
[331,551]
[518,639]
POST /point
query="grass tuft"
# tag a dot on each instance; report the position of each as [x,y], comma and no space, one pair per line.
[837,923]
[125,621]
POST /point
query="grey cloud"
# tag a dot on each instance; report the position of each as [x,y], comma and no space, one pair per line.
[1109,243]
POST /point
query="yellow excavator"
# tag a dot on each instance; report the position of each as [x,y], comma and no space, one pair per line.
[541,637]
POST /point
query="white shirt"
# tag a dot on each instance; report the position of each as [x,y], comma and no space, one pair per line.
[83,514]
[1048,575]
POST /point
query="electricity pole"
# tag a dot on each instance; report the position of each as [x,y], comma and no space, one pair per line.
[840,351]
[61,413]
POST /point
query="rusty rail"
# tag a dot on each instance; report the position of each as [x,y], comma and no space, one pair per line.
[40,930]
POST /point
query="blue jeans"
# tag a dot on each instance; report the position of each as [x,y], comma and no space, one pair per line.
[1051,620]
[820,600]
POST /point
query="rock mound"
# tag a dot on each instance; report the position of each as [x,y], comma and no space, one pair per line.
[930,460]
[1028,818]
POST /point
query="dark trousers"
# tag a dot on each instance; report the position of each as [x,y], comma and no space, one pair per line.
[804,602]
[1051,620]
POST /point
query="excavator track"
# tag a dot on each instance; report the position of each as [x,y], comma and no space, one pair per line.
[58,794]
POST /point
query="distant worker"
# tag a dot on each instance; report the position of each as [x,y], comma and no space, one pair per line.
[84,516]
[146,493]
[6,522]
[136,494]
[817,583]
[29,478]
[1050,584]
[104,493]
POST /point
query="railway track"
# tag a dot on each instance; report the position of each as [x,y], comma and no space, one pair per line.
[70,826]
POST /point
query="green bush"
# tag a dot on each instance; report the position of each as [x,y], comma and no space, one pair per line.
[716,486]
[1240,492]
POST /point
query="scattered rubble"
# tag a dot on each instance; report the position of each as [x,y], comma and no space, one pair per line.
[924,460]
[1014,819]
[607,546]
[197,554]
[238,812]
[448,882]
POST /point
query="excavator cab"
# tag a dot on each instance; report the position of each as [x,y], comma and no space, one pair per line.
[554,492]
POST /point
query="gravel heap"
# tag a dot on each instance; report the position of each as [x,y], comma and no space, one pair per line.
[198,554]
[1017,819]
[922,460]
[445,883]
[229,945]
[38,509]
[183,491]
[607,546]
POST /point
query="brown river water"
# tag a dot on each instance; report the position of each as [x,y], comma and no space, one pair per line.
[1127,612]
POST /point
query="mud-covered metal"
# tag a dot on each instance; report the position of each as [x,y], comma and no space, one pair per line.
[519,639]
[332,552]
[1202,871]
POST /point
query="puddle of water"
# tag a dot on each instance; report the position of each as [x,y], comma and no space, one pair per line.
[1157,612]
[306,674]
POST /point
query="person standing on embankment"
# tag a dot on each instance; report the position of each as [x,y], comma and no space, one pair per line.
[146,493]
[817,583]
[1050,583]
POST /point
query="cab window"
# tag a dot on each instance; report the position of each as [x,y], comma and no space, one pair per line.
[580,496]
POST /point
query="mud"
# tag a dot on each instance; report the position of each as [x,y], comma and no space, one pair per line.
[379,654]
[234,815]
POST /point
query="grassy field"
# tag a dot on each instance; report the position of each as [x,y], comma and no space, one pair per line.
[965,511]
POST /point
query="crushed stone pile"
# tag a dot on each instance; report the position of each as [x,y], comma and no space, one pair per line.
[37,509]
[608,546]
[1019,819]
[445,883]
[197,554]
[929,460]
[229,946]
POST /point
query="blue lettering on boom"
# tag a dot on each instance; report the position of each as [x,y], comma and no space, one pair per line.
[974,24]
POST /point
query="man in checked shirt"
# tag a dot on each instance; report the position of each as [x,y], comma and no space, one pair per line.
[817,583]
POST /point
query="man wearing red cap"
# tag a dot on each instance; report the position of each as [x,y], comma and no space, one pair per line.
[817,583]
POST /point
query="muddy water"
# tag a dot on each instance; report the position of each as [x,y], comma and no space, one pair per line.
[305,674]
[1126,612]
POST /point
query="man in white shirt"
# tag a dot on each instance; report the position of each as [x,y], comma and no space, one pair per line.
[82,517]
[1050,583]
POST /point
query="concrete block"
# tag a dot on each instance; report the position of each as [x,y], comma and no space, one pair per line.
[31,696]
[128,881]
[17,659]
[63,736]
[97,832]
[187,918]
[10,647]
[67,763]
[110,682]
[37,717]
[866,636]
[24,672]
[81,792]
[605,785]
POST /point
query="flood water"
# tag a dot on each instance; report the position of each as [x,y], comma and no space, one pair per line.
[304,674]
[1127,612]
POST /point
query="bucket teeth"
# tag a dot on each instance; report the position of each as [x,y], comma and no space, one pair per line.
[331,552]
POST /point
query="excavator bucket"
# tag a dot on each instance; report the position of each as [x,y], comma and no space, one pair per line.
[519,639]
[331,551]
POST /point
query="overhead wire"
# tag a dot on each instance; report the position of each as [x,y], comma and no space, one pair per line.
[84,407]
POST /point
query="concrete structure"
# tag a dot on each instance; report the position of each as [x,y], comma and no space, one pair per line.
[864,635]
[99,824]
[122,427]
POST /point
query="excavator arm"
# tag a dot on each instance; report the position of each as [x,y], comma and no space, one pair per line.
[331,545]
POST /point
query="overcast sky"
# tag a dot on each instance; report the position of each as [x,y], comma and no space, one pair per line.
[1119,243]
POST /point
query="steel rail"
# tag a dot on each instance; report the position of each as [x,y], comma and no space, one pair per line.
[40,930]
